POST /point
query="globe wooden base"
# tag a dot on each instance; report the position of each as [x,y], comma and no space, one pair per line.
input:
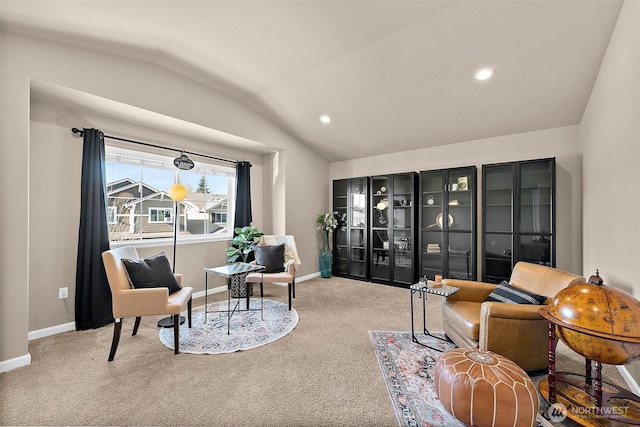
[619,407]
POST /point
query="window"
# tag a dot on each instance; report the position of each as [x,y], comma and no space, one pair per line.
[218,217]
[160,215]
[139,206]
[112,215]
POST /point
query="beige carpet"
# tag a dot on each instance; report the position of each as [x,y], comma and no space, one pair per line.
[324,373]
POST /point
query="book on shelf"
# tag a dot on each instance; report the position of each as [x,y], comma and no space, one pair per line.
[433,248]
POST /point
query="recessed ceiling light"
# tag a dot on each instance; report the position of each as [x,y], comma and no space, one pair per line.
[483,73]
[325,119]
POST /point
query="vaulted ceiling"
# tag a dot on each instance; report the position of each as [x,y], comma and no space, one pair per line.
[392,75]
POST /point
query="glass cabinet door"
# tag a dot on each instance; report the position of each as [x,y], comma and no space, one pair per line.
[460,262]
[340,248]
[518,208]
[350,241]
[536,213]
[447,223]
[380,228]
[357,228]
[392,222]
[498,222]
[431,213]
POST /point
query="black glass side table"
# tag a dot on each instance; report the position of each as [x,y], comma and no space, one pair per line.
[234,273]
[425,288]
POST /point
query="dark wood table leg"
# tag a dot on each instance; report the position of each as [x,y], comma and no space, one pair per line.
[552,363]
[587,371]
[598,386]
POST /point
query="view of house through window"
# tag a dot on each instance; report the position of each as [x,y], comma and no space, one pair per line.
[139,206]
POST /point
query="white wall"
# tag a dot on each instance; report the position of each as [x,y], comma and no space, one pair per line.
[298,182]
[561,143]
[610,138]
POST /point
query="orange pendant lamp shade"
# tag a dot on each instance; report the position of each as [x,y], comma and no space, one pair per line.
[178,192]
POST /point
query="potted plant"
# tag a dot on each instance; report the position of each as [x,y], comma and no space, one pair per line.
[243,243]
[328,222]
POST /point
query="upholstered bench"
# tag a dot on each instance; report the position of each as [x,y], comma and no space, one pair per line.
[482,388]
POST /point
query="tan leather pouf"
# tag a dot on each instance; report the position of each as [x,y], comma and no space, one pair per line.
[482,388]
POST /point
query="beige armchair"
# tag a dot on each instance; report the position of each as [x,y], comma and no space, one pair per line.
[515,331]
[291,259]
[128,302]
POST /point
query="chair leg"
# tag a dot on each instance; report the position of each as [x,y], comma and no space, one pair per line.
[293,284]
[117,329]
[189,311]
[290,294]
[176,333]
[261,300]
[136,325]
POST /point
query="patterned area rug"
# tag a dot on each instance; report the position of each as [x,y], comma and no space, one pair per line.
[247,329]
[407,369]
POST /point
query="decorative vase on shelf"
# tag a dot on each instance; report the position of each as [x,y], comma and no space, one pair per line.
[326,258]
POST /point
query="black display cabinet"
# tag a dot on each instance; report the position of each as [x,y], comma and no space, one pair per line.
[392,231]
[447,223]
[518,221]
[350,254]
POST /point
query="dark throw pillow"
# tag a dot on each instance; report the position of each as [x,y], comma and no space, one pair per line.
[505,292]
[272,257]
[152,272]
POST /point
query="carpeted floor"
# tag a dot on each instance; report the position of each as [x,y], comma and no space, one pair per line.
[323,373]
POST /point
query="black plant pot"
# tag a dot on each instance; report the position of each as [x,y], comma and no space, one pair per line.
[239,287]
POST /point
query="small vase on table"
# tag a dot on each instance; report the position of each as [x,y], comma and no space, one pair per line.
[326,258]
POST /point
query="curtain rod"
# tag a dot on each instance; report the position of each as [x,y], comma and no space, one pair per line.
[81,132]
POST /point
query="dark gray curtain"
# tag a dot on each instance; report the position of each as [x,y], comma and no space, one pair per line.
[243,195]
[93,296]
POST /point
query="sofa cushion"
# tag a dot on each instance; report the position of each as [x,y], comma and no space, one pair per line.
[152,272]
[506,292]
[271,256]
[464,316]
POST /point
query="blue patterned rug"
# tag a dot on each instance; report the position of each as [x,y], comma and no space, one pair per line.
[247,329]
[407,370]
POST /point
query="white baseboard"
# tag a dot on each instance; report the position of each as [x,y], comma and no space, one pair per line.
[629,379]
[17,362]
[46,332]
[307,277]
[209,292]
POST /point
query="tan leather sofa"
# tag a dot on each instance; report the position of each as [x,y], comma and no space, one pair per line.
[515,331]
